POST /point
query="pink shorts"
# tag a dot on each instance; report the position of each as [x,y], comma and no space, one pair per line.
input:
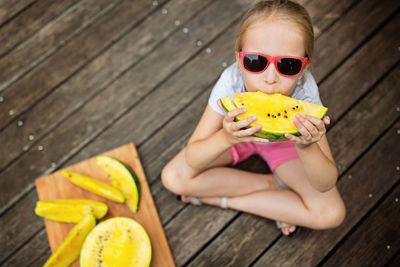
[273,153]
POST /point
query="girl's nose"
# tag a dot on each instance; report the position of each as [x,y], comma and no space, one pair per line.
[270,75]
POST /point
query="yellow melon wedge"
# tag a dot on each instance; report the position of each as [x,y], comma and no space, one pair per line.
[70,248]
[94,186]
[123,178]
[119,241]
[70,210]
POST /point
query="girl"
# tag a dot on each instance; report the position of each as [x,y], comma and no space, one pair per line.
[274,49]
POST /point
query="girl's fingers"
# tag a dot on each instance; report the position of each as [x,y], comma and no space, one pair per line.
[309,124]
[245,122]
[327,120]
[248,132]
[233,113]
[317,122]
[302,129]
[293,138]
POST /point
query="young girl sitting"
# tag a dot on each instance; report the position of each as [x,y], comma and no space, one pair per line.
[274,49]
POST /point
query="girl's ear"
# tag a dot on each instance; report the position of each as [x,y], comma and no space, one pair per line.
[237,57]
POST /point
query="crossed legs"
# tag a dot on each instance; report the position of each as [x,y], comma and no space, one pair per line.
[258,193]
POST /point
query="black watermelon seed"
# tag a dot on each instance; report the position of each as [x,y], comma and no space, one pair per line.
[285,116]
[285,111]
[268,114]
[279,114]
[273,116]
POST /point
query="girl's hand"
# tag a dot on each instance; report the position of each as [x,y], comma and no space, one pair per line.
[233,130]
[310,128]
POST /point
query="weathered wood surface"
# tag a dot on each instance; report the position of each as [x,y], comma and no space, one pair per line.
[80,81]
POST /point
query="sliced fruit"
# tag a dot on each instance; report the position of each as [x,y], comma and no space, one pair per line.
[70,248]
[95,186]
[123,178]
[275,112]
[70,210]
[119,241]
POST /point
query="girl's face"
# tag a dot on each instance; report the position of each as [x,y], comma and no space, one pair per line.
[273,37]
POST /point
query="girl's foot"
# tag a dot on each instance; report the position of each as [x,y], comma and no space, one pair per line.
[287,230]
[215,201]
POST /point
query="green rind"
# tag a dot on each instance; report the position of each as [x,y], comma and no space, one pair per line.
[270,135]
[132,174]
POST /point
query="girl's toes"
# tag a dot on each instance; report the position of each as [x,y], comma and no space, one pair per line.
[183,198]
[285,230]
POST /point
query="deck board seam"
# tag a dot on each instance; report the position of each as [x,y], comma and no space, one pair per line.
[17,14]
[27,69]
[359,46]
[95,56]
[360,222]
[23,40]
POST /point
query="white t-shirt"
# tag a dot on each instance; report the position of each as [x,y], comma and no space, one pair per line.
[231,82]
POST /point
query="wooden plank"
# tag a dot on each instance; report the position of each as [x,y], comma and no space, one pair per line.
[354,76]
[18,225]
[123,96]
[8,9]
[376,240]
[359,22]
[21,95]
[395,261]
[50,38]
[97,75]
[30,21]
[55,186]
[29,253]
[367,119]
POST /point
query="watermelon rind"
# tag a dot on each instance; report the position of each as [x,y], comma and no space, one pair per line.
[123,178]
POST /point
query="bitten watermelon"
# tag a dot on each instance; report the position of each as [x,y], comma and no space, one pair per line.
[275,112]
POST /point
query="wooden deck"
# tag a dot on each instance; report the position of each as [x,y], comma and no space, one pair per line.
[77,79]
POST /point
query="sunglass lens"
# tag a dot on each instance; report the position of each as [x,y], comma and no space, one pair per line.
[289,66]
[254,63]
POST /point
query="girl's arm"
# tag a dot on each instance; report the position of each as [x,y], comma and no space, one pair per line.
[319,164]
[314,152]
[215,134]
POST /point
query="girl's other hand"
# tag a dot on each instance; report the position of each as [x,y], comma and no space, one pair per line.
[234,131]
[310,128]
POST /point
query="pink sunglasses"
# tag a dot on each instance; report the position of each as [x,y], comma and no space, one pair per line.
[285,65]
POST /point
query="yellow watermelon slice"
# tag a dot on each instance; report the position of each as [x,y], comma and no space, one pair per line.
[70,248]
[118,241]
[123,178]
[275,112]
[70,210]
[94,186]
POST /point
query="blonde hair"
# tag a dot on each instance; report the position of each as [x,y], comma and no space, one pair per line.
[285,10]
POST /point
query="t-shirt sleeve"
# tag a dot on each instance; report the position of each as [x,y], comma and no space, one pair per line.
[221,89]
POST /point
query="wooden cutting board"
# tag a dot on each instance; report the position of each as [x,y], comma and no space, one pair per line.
[55,186]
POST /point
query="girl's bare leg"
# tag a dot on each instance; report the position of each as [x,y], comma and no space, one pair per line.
[217,180]
[303,206]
